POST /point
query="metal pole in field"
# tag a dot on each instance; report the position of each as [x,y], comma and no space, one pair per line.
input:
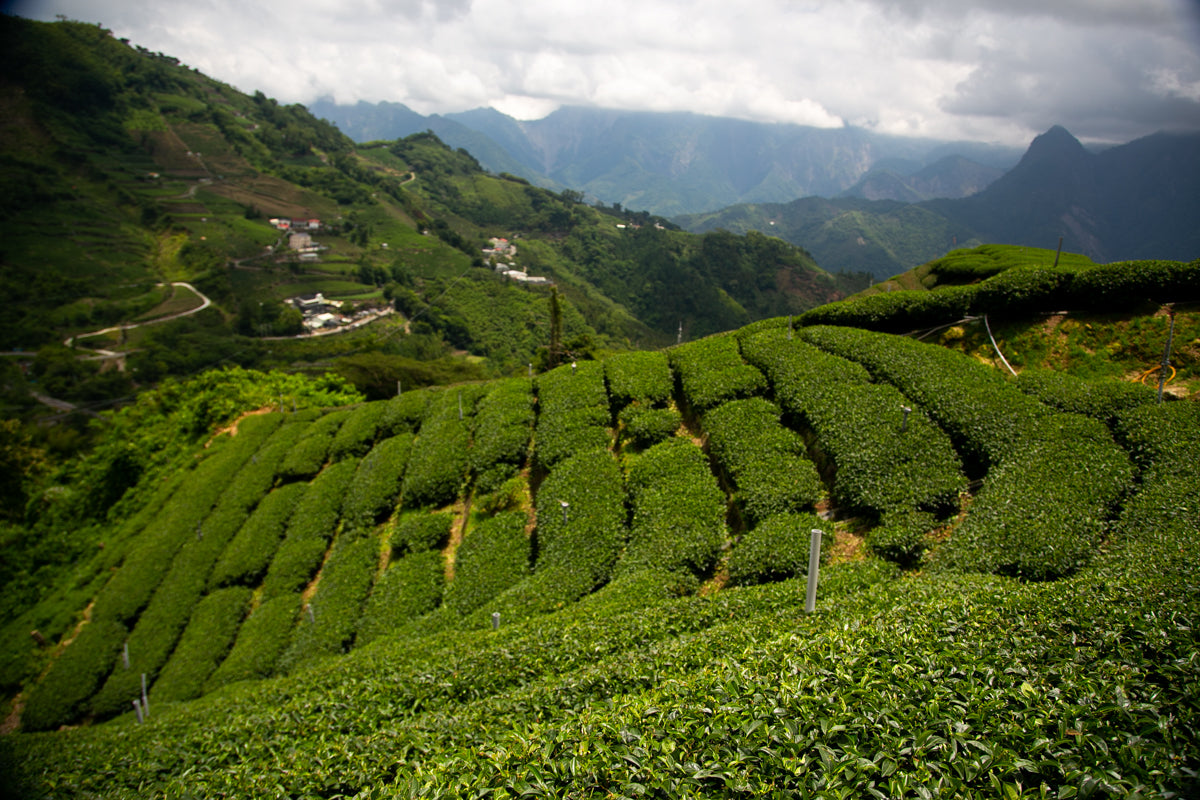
[814,564]
[565,505]
[495,620]
[125,655]
[137,706]
[904,422]
[1166,362]
[145,698]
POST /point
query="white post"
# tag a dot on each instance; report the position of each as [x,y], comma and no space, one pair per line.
[312,617]
[565,505]
[137,706]
[125,655]
[904,422]
[814,565]
[495,620]
[145,697]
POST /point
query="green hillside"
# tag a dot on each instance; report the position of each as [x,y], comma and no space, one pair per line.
[591,583]
[125,174]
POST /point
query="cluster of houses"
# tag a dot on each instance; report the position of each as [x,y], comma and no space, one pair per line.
[501,253]
[295,225]
[316,312]
[303,244]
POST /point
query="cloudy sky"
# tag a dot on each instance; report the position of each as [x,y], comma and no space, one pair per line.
[986,70]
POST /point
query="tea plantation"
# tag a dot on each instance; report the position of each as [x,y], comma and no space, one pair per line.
[590,583]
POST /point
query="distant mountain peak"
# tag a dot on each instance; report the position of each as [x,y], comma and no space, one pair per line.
[1057,141]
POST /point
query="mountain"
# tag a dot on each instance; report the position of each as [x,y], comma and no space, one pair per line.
[1133,201]
[130,181]
[678,163]
[950,177]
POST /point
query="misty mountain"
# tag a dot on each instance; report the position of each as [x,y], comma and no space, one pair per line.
[949,177]
[678,163]
[1133,201]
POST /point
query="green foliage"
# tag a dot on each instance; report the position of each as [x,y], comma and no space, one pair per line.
[356,435]
[437,464]
[61,696]
[247,557]
[589,537]
[765,461]
[897,311]
[573,412]
[1101,399]
[416,533]
[900,536]
[328,628]
[678,511]
[777,549]
[409,588]
[405,412]
[643,376]
[309,531]
[1052,478]
[643,426]
[308,456]
[203,646]
[493,556]
[375,490]
[260,642]
[712,372]
[503,423]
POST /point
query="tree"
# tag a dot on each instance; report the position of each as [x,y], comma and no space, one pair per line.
[555,351]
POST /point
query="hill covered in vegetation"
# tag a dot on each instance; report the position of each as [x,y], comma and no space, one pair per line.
[591,581]
[126,174]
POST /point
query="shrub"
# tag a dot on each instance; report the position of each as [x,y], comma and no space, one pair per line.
[712,372]
[642,376]
[896,312]
[644,426]
[591,538]
[61,696]
[900,537]
[437,463]
[777,549]
[1128,284]
[492,557]
[1102,400]
[573,413]
[247,557]
[356,435]
[203,646]
[308,456]
[260,642]
[375,490]
[764,460]
[409,588]
[405,413]
[503,424]
[310,530]
[336,605]
[418,532]
[1052,481]
[678,511]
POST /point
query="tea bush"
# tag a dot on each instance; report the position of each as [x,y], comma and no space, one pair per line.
[642,377]
[573,412]
[503,425]
[493,556]
[643,426]
[777,549]
[418,532]
[712,372]
[437,463]
[309,531]
[765,461]
[61,696]
[309,455]
[328,627]
[678,511]
[356,435]
[260,642]
[408,588]
[1102,400]
[204,644]
[405,413]
[593,533]
[375,490]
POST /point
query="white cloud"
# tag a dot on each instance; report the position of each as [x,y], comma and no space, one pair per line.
[1002,70]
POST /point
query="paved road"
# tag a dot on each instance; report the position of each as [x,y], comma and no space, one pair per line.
[205,303]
